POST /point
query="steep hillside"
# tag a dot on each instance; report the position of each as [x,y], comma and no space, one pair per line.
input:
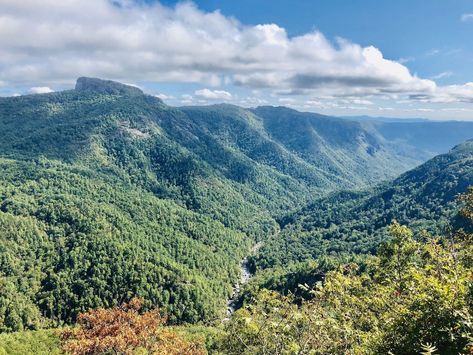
[72,239]
[346,222]
[97,204]
[342,149]
[134,138]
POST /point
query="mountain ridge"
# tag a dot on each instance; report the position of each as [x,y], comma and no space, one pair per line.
[356,221]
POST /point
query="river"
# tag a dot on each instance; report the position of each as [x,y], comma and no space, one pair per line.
[245,276]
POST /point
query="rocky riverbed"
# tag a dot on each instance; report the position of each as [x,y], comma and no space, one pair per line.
[245,276]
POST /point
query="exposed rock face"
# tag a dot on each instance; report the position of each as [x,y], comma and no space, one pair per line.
[106,87]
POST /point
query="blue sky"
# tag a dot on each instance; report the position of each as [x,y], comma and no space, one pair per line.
[379,58]
[429,34]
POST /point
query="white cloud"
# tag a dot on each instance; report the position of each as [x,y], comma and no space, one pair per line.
[467,17]
[40,90]
[448,94]
[361,102]
[405,60]
[186,99]
[286,100]
[213,94]
[252,102]
[442,75]
[54,42]
[432,52]
[456,109]
[165,97]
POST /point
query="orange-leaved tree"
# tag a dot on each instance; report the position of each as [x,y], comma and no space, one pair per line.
[123,330]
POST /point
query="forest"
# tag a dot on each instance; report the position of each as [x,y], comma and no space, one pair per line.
[123,223]
[414,296]
[355,222]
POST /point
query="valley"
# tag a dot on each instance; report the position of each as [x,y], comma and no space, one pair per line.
[108,194]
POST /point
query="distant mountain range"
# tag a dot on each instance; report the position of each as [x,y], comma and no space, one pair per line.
[384,119]
[430,137]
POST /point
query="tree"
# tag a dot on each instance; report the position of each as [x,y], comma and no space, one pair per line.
[415,295]
[123,330]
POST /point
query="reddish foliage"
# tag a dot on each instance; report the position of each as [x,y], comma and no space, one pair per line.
[123,329]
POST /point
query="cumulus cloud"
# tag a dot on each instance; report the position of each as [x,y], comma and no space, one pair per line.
[362,102]
[213,94]
[252,101]
[448,94]
[186,99]
[287,100]
[40,90]
[165,97]
[53,42]
[467,17]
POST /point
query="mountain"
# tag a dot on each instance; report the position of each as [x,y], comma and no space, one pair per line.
[198,156]
[107,193]
[97,204]
[432,137]
[356,222]
[344,149]
[72,239]
[166,148]
[426,137]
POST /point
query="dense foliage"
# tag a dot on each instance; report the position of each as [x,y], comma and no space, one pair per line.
[325,142]
[287,279]
[107,193]
[71,241]
[415,295]
[124,330]
[356,222]
[38,342]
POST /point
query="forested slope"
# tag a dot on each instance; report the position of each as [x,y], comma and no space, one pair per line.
[355,222]
[349,154]
[72,241]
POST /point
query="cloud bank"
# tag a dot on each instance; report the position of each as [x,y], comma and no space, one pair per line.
[52,42]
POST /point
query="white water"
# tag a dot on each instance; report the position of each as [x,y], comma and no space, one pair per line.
[245,276]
